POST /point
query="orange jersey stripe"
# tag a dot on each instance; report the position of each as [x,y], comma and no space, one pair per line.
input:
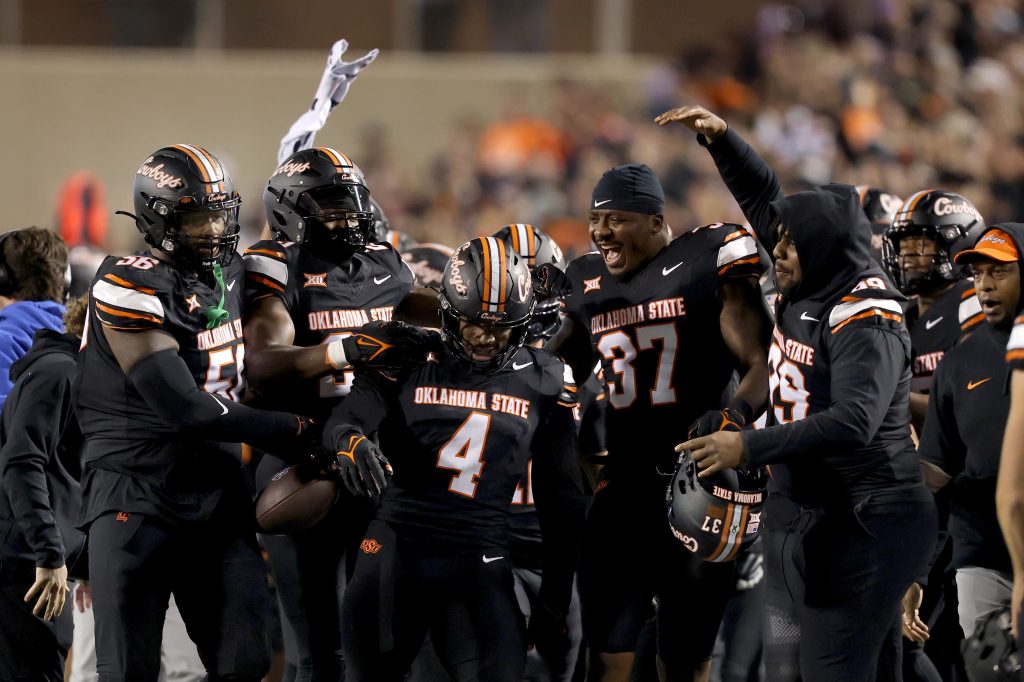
[128,285]
[1015,355]
[868,313]
[266,252]
[972,322]
[269,282]
[743,261]
[123,313]
[736,235]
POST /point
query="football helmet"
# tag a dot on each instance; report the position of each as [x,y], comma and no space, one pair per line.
[990,654]
[536,248]
[427,262]
[315,187]
[183,184]
[486,283]
[879,206]
[381,224]
[948,219]
[717,517]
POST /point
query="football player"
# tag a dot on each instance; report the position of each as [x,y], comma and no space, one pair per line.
[1010,485]
[526,547]
[160,374]
[310,293]
[459,430]
[880,207]
[670,321]
[846,485]
[963,434]
[919,250]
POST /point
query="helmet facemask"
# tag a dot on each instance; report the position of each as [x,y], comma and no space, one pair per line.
[451,333]
[338,216]
[941,269]
[200,249]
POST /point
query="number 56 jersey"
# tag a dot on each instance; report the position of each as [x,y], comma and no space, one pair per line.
[657,334]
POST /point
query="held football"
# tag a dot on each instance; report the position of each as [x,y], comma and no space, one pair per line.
[295,499]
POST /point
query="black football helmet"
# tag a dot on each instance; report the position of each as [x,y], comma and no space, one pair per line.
[178,184]
[990,654]
[536,248]
[381,224]
[427,262]
[315,187]
[489,284]
[718,517]
[948,219]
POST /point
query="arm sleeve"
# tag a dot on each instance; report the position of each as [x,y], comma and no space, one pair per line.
[558,492]
[940,442]
[35,419]
[165,383]
[751,181]
[362,410]
[868,361]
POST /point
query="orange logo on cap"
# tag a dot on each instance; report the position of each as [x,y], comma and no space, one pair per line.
[370,546]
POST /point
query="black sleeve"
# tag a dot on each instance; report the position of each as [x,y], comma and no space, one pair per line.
[558,493]
[362,410]
[867,364]
[165,383]
[941,443]
[33,423]
[751,181]
[592,437]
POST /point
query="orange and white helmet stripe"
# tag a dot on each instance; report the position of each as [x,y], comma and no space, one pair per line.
[336,157]
[209,167]
[495,270]
[524,241]
[909,205]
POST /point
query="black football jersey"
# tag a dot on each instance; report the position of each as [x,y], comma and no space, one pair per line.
[427,262]
[126,438]
[589,417]
[658,337]
[941,327]
[326,300]
[458,442]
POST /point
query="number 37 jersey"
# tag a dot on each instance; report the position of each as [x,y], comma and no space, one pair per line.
[657,335]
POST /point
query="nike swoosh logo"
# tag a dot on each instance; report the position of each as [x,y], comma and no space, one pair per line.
[974,384]
[931,323]
[516,365]
[805,316]
[489,559]
[223,407]
[381,280]
[601,203]
[667,271]
[231,286]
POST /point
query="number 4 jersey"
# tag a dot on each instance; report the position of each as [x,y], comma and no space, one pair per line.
[134,460]
[658,336]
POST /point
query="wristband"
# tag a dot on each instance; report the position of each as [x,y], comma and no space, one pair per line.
[336,357]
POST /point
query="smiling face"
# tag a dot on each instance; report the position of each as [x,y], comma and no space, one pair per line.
[998,288]
[787,263]
[626,239]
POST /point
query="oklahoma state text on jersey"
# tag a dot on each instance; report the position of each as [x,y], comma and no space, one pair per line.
[327,300]
[952,315]
[657,334]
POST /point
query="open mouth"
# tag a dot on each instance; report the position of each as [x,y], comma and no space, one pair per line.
[612,254]
[991,306]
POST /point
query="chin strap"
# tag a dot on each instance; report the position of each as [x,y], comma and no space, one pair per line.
[217,315]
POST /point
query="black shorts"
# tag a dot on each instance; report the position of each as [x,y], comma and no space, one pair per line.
[629,558]
[400,591]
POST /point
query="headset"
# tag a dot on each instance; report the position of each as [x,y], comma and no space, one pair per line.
[8,282]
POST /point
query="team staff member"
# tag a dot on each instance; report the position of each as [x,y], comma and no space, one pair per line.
[670,321]
[165,504]
[40,500]
[459,430]
[309,296]
[34,279]
[837,441]
[963,433]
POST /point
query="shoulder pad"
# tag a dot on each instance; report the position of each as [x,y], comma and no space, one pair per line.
[266,266]
[856,307]
[127,292]
[737,250]
[969,312]
[1015,346]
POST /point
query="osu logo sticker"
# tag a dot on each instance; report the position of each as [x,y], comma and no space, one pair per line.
[370,546]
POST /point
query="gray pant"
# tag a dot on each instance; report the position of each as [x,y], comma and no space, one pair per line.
[537,669]
[980,590]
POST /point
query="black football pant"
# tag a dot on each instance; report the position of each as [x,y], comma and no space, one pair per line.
[466,600]
[548,666]
[629,557]
[834,580]
[31,649]
[219,582]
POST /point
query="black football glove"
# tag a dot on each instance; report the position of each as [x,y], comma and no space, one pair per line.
[362,467]
[711,421]
[390,346]
[548,631]
[550,282]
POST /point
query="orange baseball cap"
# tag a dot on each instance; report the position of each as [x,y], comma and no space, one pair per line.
[994,245]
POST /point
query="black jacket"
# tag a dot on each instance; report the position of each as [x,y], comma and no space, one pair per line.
[40,451]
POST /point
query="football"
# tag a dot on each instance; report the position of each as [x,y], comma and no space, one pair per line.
[296,498]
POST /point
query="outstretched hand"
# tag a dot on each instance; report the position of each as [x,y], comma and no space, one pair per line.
[696,118]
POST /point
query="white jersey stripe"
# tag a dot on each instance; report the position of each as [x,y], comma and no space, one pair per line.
[271,267]
[129,299]
[969,307]
[844,311]
[738,248]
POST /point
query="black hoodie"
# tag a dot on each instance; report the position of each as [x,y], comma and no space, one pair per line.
[840,358]
[40,447]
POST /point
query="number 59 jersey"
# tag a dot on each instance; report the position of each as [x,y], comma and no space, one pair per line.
[657,334]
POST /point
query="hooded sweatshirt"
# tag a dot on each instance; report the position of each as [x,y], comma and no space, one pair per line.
[18,324]
[40,451]
[839,363]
